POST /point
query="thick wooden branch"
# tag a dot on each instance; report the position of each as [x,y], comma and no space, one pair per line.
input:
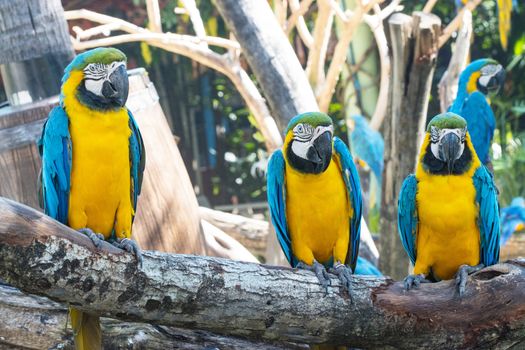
[34,322]
[40,256]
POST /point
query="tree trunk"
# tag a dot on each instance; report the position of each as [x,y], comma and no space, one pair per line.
[271,57]
[41,256]
[35,46]
[33,322]
[414,43]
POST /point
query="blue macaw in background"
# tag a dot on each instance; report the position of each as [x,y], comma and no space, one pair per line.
[365,267]
[512,219]
[481,78]
[368,146]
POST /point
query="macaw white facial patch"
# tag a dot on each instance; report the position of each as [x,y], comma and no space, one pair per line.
[95,74]
[437,135]
[304,137]
[487,72]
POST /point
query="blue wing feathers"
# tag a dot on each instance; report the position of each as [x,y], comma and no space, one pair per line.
[277,203]
[137,155]
[55,149]
[353,187]
[407,216]
[488,217]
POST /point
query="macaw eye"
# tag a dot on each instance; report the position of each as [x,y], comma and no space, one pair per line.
[95,71]
[303,132]
[463,134]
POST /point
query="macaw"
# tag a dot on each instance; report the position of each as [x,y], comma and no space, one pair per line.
[481,78]
[512,219]
[448,215]
[314,196]
[92,162]
[367,145]
[365,267]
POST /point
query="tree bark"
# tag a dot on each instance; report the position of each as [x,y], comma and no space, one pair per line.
[270,56]
[33,322]
[39,255]
[414,43]
[35,49]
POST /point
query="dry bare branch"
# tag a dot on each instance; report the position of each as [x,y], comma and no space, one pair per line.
[153,8]
[321,35]
[297,19]
[429,6]
[325,92]
[448,85]
[456,22]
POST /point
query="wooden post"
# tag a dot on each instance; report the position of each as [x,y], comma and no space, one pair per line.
[414,43]
[35,48]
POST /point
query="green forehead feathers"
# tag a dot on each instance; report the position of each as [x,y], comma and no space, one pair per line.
[312,118]
[447,120]
[103,55]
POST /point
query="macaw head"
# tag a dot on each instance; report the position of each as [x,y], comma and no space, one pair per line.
[98,79]
[308,143]
[485,75]
[448,149]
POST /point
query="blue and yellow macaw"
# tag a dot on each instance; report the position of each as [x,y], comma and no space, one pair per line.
[480,79]
[512,219]
[448,213]
[367,146]
[92,162]
[315,199]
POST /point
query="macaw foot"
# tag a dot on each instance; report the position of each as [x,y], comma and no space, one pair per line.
[462,275]
[345,275]
[320,272]
[413,281]
[96,238]
[129,246]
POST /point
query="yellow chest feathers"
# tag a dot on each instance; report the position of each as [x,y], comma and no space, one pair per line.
[100,174]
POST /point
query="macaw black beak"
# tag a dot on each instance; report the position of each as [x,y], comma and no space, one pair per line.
[496,82]
[449,148]
[116,88]
[320,152]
